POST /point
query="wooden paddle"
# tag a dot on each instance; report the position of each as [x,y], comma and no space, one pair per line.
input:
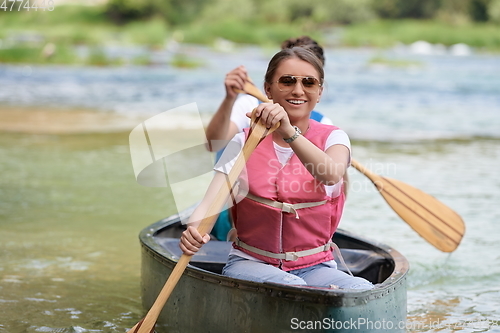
[429,217]
[258,132]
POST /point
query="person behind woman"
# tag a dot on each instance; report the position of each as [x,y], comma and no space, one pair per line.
[294,180]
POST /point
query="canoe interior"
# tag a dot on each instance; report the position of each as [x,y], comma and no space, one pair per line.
[364,259]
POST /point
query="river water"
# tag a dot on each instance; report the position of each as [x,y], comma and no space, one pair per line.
[71,210]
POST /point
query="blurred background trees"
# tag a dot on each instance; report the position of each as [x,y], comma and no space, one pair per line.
[179,12]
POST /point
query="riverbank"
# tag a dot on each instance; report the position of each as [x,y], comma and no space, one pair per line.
[83,35]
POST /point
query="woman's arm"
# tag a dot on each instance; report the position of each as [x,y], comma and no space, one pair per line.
[327,167]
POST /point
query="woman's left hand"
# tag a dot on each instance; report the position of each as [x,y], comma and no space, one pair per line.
[272,113]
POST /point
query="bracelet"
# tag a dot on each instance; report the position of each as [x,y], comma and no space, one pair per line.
[293,137]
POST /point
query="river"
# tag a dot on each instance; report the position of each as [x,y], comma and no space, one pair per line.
[71,209]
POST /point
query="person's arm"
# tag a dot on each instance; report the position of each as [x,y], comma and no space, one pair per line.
[191,240]
[328,167]
[221,127]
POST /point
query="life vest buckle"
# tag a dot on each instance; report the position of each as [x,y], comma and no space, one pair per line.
[291,256]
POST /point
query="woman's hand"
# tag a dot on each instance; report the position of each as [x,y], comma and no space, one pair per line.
[235,79]
[191,241]
[270,114]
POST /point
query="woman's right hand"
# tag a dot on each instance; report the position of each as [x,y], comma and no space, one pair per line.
[235,79]
[191,241]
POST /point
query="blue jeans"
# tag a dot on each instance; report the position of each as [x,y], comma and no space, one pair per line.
[323,275]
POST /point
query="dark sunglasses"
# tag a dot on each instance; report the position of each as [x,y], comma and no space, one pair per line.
[287,82]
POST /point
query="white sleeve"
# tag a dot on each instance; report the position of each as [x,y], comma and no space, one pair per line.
[230,153]
[243,104]
[339,137]
[325,120]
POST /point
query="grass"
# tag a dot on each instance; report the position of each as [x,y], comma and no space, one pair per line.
[183,61]
[25,34]
[388,32]
[34,55]
[380,60]
[241,32]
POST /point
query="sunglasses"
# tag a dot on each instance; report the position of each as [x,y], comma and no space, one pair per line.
[287,82]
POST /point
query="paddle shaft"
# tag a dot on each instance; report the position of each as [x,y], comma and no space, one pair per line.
[430,218]
[258,132]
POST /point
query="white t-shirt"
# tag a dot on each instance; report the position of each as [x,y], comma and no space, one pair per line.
[246,103]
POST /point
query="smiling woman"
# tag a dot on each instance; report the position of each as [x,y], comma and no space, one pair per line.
[261,253]
[298,99]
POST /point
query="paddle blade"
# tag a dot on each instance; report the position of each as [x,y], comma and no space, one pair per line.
[429,217]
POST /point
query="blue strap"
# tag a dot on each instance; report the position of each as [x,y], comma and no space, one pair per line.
[315,115]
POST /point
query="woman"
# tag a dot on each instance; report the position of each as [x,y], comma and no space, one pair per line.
[231,118]
[295,192]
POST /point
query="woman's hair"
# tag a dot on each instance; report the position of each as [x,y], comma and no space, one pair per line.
[307,43]
[297,53]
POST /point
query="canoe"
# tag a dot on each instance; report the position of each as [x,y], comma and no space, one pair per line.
[205,301]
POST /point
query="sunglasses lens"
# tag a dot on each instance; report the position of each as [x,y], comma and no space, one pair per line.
[287,82]
[309,82]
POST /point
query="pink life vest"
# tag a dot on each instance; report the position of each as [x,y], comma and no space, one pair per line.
[270,229]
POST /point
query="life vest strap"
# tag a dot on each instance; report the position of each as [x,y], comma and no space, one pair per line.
[288,256]
[285,207]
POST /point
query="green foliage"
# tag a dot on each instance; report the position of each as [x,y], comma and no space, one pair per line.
[62,14]
[237,10]
[240,32]
[151,33]
[380,60]
[478,10]
[386,33]
[173,11]
[35,55]
[97,57]
[405,8]
[344,11]
[142,60]
[265,22]
[20,54]
[494,11]
[184,61]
